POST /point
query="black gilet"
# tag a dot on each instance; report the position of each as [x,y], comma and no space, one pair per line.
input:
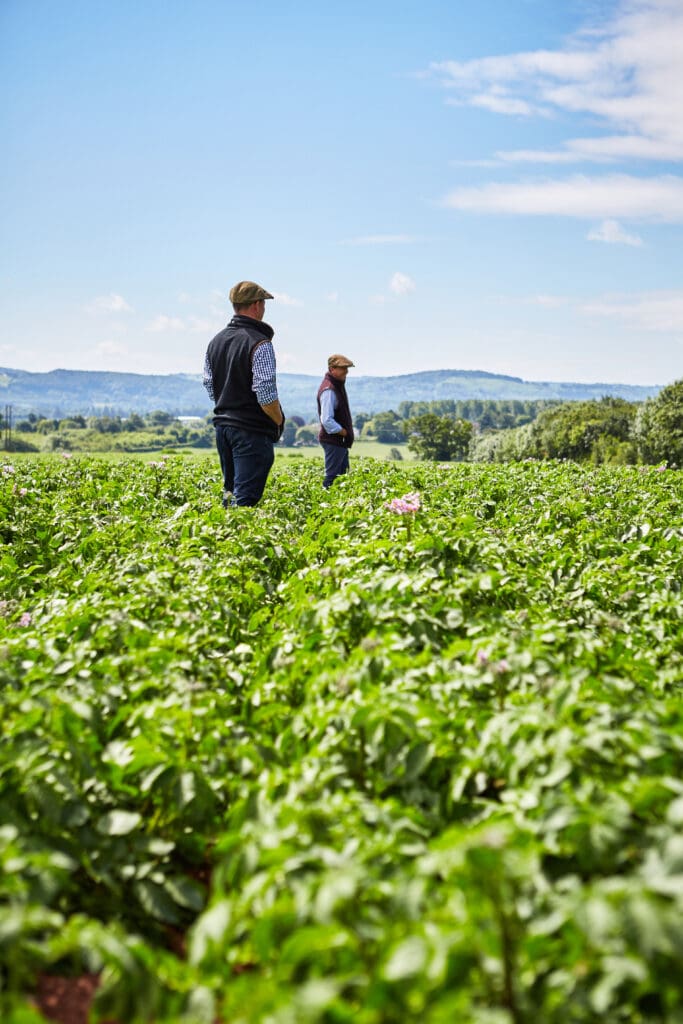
[230,356]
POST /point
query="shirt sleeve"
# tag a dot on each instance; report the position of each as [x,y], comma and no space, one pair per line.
[207,379]
[327,404]
[263,372]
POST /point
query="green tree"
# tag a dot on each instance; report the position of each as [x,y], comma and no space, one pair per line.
[56,443]
[502,445]
[289,433]
[578,431]
[658,429]
[439,438]
[46,426]
[308,434]
[107,424]
[387,427]
[159,418]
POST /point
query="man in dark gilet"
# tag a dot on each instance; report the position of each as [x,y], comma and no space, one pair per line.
[336,425]
[240,376]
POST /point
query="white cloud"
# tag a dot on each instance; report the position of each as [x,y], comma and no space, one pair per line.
[401,284]
[286,300]
[517,67]
[197,325]
[648,311]
[111,303]
[627,73]
[163,324]
[499,102]
[603,150]
[286,359]
[332,297]
[611,231]
[536,156]
[111,348]
[610,197]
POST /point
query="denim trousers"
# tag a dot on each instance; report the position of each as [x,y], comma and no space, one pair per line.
[336,462]
[246,460]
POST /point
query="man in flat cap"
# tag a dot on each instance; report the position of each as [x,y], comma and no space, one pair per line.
[240,376]
[336,425]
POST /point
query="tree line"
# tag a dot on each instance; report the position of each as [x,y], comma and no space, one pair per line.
[604,431]
[608,430]
[134,432]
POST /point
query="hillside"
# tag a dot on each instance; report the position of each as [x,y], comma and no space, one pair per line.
[62,393]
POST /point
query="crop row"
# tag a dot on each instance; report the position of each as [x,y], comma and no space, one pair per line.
[324,761]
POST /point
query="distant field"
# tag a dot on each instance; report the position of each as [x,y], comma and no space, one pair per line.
[372,449]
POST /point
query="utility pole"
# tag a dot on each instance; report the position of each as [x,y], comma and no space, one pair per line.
[7,425]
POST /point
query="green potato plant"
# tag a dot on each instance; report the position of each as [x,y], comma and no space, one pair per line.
[408,748]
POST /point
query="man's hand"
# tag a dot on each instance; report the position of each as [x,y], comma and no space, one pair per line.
[274,411]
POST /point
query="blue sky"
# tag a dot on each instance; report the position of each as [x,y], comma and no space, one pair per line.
[459,184]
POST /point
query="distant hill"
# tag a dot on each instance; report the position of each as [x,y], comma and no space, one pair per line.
[62,393]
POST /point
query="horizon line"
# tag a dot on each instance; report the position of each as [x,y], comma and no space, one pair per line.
[368,376]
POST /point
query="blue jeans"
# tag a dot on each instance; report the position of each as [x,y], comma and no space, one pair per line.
[246,460]
[336,462]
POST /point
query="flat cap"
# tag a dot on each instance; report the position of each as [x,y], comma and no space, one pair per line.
[337,360]
[246,292]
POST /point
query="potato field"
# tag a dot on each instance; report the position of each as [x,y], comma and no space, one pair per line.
[407,750]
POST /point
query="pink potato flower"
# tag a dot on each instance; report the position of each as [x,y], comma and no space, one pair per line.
[408,504]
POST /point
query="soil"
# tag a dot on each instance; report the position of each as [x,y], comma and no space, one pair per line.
[69,1000]
[66,1000]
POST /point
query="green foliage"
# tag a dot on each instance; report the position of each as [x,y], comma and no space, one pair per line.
[105,424]
[308,434]
[385,427]
[20,444]
[439,438]
[136,433]
[289,433]
[595,431]
[373,768]
[659,427]
[484,413]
